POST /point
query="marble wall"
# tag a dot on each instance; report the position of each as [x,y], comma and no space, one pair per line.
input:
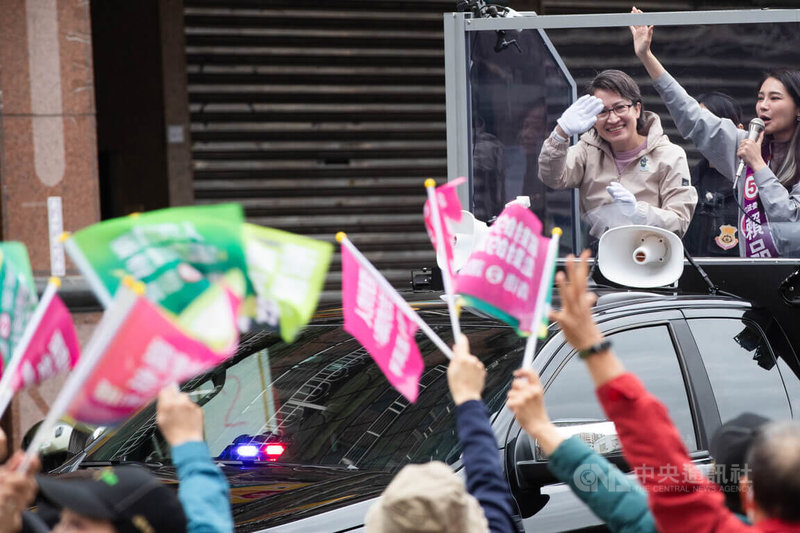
[48,143]
[48,146]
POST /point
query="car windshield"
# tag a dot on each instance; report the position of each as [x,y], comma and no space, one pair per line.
[323,401]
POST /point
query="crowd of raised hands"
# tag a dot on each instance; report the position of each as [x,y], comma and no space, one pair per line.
[82,505]
[649,439]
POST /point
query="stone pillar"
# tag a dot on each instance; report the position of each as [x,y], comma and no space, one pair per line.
[48,144]
[176,103]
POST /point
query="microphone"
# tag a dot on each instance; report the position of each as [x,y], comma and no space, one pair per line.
[754,129]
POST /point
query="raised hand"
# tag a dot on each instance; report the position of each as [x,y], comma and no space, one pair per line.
[575,319]
[642,36]
[466,375]
[526,401]
[179,418]
[575,316]
[581,115]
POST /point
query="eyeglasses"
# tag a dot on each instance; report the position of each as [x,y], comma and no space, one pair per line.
[620,110]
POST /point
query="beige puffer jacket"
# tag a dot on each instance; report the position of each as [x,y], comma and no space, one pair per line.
[658,178]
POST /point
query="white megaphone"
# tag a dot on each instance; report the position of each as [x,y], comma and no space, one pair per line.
[640,256]
[469,233]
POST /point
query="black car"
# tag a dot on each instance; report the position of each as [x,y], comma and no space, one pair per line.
[309,434]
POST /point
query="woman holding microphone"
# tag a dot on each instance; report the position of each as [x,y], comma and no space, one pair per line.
[768,188]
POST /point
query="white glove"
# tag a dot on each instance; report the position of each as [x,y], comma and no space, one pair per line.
[624,198]
[581,115]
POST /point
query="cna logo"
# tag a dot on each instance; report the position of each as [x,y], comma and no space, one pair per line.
[591,477]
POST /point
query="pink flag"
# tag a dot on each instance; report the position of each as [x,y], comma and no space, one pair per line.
[53,348]
[502,277]
[373,318]
[449,212]
[146,353]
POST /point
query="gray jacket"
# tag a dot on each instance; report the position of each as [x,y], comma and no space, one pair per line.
[718,140]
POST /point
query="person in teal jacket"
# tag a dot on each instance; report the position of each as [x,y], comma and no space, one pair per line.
[203,489]
[625,508]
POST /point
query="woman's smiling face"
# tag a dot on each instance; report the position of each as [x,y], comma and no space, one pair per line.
[777,109]
[619,131]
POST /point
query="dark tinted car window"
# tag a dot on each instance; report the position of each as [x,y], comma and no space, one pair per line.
[741,368]
[328,403]
[647,352]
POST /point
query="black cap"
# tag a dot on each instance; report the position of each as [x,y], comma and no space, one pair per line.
[730,442]
[129,496]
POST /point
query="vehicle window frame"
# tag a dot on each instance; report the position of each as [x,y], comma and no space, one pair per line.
[763,321]
[550,361]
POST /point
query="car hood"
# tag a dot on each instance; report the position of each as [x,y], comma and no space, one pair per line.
[268,495]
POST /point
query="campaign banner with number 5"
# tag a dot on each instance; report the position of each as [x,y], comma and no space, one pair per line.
[373,316]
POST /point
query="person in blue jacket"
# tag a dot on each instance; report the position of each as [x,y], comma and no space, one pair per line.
[129,499]
[431,497]
[203,489]
[466,377]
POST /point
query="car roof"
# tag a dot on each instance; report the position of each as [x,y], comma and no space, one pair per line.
[431,306]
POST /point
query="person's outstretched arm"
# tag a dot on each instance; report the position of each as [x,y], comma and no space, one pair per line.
[651,443]
[642,37]
[619,501]
[466,376]
[716,138]
[203,489]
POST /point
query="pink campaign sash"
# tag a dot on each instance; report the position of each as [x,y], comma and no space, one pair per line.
[757,241]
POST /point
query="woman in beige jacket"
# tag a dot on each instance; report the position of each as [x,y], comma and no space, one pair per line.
[627,170]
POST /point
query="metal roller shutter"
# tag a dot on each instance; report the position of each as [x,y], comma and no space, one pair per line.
[321,116]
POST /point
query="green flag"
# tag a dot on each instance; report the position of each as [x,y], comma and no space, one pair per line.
[287,272]
[18,298]
[175,252]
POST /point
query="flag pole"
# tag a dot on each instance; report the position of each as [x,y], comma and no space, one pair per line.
[127,295]
[544,286]
[396,298]
[80,260]
[430,186]
[6,389]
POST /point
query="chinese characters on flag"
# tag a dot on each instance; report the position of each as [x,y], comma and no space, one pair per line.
[503,275]
[53,348]
[378,323]
[146,352]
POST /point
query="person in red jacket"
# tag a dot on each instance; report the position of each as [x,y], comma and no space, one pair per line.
[651,443]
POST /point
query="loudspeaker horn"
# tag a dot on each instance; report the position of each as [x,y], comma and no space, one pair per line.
[640,256]
[469,233]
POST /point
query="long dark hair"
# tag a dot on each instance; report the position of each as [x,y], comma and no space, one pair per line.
[622,84]
[722,105]
[790,78]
